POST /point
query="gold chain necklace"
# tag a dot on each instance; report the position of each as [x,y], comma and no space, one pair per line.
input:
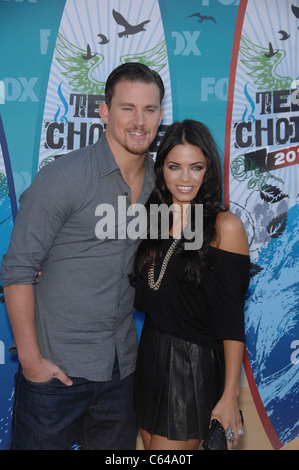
[151,272]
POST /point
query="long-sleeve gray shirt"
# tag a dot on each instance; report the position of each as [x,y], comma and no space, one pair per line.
[84,302]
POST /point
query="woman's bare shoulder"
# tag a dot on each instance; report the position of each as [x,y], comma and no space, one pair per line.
[231,233]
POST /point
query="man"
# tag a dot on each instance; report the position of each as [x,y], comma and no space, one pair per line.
[74,329]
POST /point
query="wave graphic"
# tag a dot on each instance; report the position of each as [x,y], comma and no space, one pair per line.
[272,326]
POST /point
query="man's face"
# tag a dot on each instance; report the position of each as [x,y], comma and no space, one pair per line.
[133,118]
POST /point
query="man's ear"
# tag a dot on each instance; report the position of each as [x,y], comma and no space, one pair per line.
[104,112]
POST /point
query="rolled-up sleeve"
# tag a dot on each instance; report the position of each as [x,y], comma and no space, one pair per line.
[44,207]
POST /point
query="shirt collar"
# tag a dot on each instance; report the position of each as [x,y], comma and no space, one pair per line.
[108,163]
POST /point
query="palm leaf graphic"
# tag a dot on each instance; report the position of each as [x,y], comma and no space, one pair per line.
[155,58]
[263,68]
[79,71]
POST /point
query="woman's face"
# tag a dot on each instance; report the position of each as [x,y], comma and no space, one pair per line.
[184,169]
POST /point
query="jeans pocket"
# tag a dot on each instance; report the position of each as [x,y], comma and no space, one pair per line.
[38,384]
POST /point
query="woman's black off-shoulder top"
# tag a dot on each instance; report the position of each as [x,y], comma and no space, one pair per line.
[205,314]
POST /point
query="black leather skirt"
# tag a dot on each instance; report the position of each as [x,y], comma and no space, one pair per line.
[177,384]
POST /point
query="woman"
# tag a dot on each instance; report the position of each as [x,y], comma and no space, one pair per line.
[191,347]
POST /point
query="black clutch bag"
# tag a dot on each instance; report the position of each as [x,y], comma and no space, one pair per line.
[216,439]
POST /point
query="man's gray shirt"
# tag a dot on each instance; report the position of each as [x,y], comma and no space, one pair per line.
[84,301]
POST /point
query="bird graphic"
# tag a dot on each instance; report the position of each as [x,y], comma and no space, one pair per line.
[129,29]
[295,10]
[89,55]
[271,52]
[103,38]
[202,18]
[284,35]
[262,65]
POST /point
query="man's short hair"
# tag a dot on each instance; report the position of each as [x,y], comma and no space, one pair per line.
[134,72]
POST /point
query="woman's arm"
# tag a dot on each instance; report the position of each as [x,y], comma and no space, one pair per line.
[231,237]
[227,409]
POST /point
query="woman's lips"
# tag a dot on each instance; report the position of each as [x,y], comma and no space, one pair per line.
[185,189]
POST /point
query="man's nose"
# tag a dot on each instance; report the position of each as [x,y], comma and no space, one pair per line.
[138,117]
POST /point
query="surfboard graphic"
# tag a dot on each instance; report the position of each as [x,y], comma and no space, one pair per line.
[94,37]
[261,186]
[8,210]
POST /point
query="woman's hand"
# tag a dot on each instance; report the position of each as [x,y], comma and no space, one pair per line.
[227,412]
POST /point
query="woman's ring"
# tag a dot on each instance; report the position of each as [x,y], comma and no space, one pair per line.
[229,433]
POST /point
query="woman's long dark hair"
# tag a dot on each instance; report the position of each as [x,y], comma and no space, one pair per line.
[209,195]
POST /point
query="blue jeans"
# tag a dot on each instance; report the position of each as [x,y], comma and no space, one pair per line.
[52,416]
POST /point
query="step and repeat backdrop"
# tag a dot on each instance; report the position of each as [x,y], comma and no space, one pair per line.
[232,64]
